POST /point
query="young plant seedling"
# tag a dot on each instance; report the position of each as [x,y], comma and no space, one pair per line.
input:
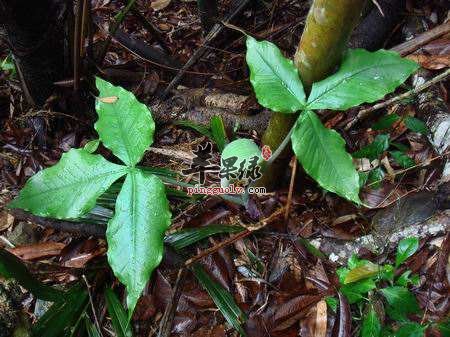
[69,189]
[375,288]
[364,77]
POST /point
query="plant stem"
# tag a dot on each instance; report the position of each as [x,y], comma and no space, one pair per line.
[328,27]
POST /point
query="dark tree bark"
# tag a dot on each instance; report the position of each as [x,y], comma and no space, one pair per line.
[35,34]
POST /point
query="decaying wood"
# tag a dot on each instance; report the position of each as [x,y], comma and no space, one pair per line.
[410,46]
[200,105]
[432,108]
[84,229]
[340,251]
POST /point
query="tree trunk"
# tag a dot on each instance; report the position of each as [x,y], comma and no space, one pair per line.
[35,34]
[324,39]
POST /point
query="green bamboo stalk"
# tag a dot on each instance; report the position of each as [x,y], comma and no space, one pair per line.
[324,39]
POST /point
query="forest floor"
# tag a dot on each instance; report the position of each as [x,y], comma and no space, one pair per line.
[282,264]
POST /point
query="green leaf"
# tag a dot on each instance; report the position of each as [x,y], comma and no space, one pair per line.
[401,147]
[371,326]
[195,126]
[69,188]
[405,249]
[402,159]
[222,298]
[274,78]
[321,152]
[118,315]
[411,329]
[11,267]
[125,126]
[444,327]
[135,233]
[364,77]
[416,125]
[91,328]
[356,291]
[375,177]
[8,65]
[386,122]
[189,236]
[375,149]
[91,146]
[405,279]
[218,132]
[401,301]
[366,270]
[332,302]
[63,315]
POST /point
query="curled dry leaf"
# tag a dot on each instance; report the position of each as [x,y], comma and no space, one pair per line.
[157,5]
[321,319]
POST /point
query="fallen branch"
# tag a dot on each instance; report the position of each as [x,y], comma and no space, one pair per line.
[340,251]
[410,46]
[366,112]
[85,229]
[239,236]
[169,314]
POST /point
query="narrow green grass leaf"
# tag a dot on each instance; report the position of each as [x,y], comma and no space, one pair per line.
[91,328]
[222,298]
[11,267]
[202,129]
[189,236]
[218,132]
[118,315]
[62,316]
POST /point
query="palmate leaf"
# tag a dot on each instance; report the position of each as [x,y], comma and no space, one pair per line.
[125,125]
[274,78]
[364,77]
[135,233]
[321,152]
[69,188]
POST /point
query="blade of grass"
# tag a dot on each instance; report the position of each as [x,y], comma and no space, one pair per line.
[204,130]
[12,267]
[218,132]
[118,315]
[189,236]
[222,298]
[63,316]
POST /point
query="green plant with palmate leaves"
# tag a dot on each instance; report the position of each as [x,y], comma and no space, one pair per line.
[69,189]
[364,77]
[374,290]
